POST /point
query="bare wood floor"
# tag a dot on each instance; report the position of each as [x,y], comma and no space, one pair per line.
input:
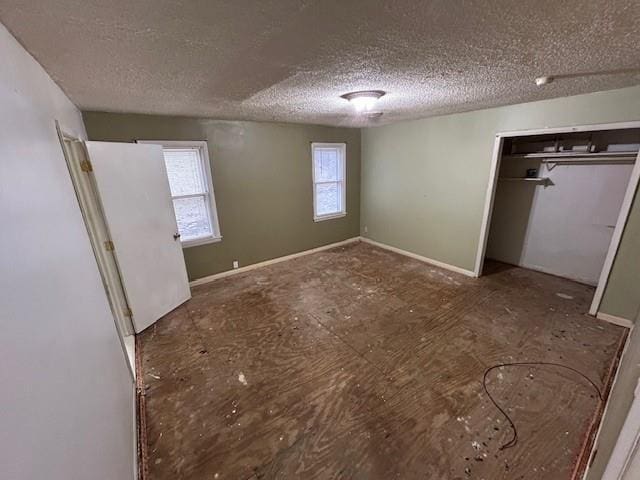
[358,363]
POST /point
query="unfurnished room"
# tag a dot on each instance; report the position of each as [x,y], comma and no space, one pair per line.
[320,239]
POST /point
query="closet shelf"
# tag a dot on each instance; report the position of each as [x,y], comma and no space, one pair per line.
[569,155]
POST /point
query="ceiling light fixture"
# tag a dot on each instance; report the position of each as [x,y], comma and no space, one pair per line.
[363,101]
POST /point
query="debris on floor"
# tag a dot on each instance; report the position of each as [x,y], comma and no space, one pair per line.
[378,386]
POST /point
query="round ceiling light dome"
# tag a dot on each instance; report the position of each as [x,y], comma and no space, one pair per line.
[365,100]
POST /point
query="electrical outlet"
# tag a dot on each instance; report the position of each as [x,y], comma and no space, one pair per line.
[366,230]
[235,264]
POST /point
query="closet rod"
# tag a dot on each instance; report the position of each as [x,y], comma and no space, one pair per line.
[612,160]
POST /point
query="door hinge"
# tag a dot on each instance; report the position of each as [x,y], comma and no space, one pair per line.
[85,166]
[109,246]
[127,312]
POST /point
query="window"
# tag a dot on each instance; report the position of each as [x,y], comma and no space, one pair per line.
[191,187]
[329,185]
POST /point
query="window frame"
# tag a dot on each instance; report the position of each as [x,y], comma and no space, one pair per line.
[212,209]
[342,147]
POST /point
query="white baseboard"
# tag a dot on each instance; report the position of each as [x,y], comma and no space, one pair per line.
[415,256]
[217,276]
[622,322]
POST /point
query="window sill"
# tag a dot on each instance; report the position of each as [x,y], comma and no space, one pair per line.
[329,217]
[200,241]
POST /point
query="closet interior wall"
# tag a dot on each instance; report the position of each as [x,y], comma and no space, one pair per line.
[558,199]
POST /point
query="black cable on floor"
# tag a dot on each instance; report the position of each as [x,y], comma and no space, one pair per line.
[514,440]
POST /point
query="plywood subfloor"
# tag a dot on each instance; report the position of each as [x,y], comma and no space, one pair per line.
[358,363]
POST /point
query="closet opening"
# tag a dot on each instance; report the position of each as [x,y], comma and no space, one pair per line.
[558,201]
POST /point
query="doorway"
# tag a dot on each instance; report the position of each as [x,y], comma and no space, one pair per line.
[558,200]
[89,201]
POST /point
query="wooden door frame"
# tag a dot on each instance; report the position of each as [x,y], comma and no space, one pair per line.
[92,216]
[625,208]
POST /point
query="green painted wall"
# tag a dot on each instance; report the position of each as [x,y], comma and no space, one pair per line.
[622,296]
[424,181]
[262,182]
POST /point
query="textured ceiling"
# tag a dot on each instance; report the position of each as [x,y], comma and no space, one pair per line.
[290,60]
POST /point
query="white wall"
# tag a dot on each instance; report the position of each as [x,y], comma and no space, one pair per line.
[66,395]
[563,228]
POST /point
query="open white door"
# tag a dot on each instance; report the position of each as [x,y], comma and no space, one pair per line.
[134,192]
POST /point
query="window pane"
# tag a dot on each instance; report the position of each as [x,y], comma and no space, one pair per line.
[184,169]
[192,217]
[327,164]
[328,198]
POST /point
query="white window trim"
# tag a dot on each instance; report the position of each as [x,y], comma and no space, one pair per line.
[203,147]
[343,151]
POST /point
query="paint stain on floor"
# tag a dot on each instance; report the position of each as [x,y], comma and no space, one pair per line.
[358,363]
